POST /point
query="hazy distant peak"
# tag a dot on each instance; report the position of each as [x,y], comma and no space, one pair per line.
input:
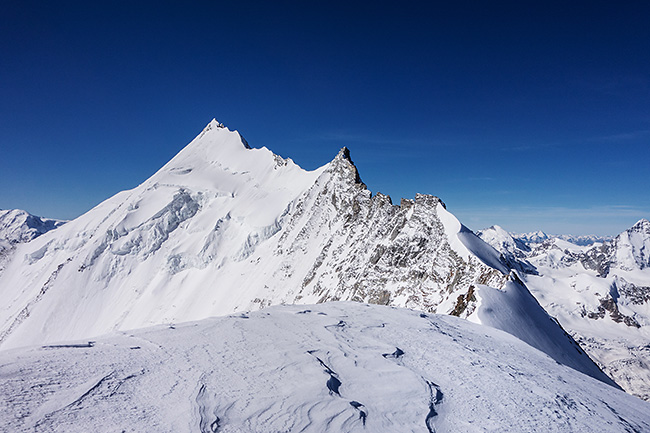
[17,225]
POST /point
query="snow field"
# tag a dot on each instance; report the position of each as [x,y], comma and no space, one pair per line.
[328,367]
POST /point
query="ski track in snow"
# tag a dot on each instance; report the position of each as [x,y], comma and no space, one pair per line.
[334,367]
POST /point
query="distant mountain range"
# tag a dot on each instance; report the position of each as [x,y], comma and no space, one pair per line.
[539,236]
[600,293]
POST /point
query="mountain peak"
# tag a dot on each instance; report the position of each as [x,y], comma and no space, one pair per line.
[498,229]
[215,141]
[17,225]
[215,124]
[343,163]
[641,225]
[212,125]
[344,153]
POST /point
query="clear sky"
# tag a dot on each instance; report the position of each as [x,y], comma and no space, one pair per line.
[530,115]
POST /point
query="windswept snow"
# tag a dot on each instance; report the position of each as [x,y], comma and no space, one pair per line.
[330,367]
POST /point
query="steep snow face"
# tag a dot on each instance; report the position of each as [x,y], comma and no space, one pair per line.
[513,308]
[632,248]
[224,228]
[601,295]
[123,261]
[321,368]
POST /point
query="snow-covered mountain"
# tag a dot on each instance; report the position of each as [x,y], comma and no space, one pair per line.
[223,228]
[332,367]
[539,236]
[599,293]
[18,226]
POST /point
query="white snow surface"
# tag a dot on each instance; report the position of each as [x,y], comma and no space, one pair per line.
[113,267]
[333,367]
[500,239]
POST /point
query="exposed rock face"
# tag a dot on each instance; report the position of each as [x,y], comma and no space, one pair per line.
[374,251]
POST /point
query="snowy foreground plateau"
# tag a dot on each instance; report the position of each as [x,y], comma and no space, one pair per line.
[109,322]
[332,367]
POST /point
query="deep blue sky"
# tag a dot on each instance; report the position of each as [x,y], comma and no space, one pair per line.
[530,115]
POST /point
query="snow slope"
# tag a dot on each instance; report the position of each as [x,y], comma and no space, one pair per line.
[224,228]
[122,262]
[330,367]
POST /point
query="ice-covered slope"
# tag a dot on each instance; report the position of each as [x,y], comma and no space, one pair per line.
[601,295]
[224,228]
[122,262]
[333,367]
